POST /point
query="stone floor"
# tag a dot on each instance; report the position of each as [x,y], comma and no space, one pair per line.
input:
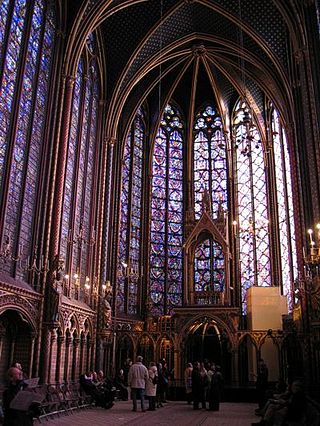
[172,414]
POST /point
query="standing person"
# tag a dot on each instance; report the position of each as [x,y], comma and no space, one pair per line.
[188,382]
[160,386]
[126,368]
[137,378]
[204,384]
[262,382]
[151,386]
[196,385]
[215,390]
[165,374]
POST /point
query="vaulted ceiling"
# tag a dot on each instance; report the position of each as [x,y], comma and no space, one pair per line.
[191,51]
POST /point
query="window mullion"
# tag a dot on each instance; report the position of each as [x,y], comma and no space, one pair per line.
[6,38]
[166,222]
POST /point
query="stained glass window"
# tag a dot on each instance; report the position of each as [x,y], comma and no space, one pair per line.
[71,161]
[254,244]
[287,237]
[210,160]
[209,267]
[130,225]
[78,231]
[166,236]
[210,173]
[21,152]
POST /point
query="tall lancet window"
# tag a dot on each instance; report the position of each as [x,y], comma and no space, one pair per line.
[287,238]
[78,231]
[210,160]
[27,30]
[254,245]
[210,173]
[130,223]
[166,235]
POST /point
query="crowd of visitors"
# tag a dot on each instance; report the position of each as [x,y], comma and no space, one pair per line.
[149,382]
[286,405]
[204,384]
[99,387]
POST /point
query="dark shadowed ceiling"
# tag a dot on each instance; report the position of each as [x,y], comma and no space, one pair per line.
[195,50]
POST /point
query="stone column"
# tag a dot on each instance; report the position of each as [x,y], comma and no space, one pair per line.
[2,337]
[75,363]
[81,355]
[33,338]
[235,366]
[67,358]
[177,362]
[61,163]
[60,342]
[12,349]
[46,339]
[53,338]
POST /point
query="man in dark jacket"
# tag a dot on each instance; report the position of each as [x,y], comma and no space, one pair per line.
[196,385]
[14,417]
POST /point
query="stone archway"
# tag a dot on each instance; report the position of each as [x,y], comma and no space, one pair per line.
[206,341]
[16,342]
[124,350]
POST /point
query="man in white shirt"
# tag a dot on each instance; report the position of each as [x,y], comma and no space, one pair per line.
[137,378]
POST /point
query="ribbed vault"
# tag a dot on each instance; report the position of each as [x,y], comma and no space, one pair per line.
[152,46]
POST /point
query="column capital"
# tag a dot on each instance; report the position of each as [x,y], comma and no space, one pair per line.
[60,33]
[110,140]
[69,80]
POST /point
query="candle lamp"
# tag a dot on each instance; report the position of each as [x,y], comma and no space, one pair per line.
[311,255]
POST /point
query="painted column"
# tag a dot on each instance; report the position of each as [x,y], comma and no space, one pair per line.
[33,338]
[61,166]
[2,337]
[53,338]
[12,349]
[235,367]
[45,349]
[60,342]
[177,363]
[75,359]
[67,358]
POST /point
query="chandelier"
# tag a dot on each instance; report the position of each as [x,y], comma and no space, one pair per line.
[312,256]
[129,269]
[247,137]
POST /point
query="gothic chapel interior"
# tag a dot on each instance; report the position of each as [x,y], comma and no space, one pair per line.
[159,186]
